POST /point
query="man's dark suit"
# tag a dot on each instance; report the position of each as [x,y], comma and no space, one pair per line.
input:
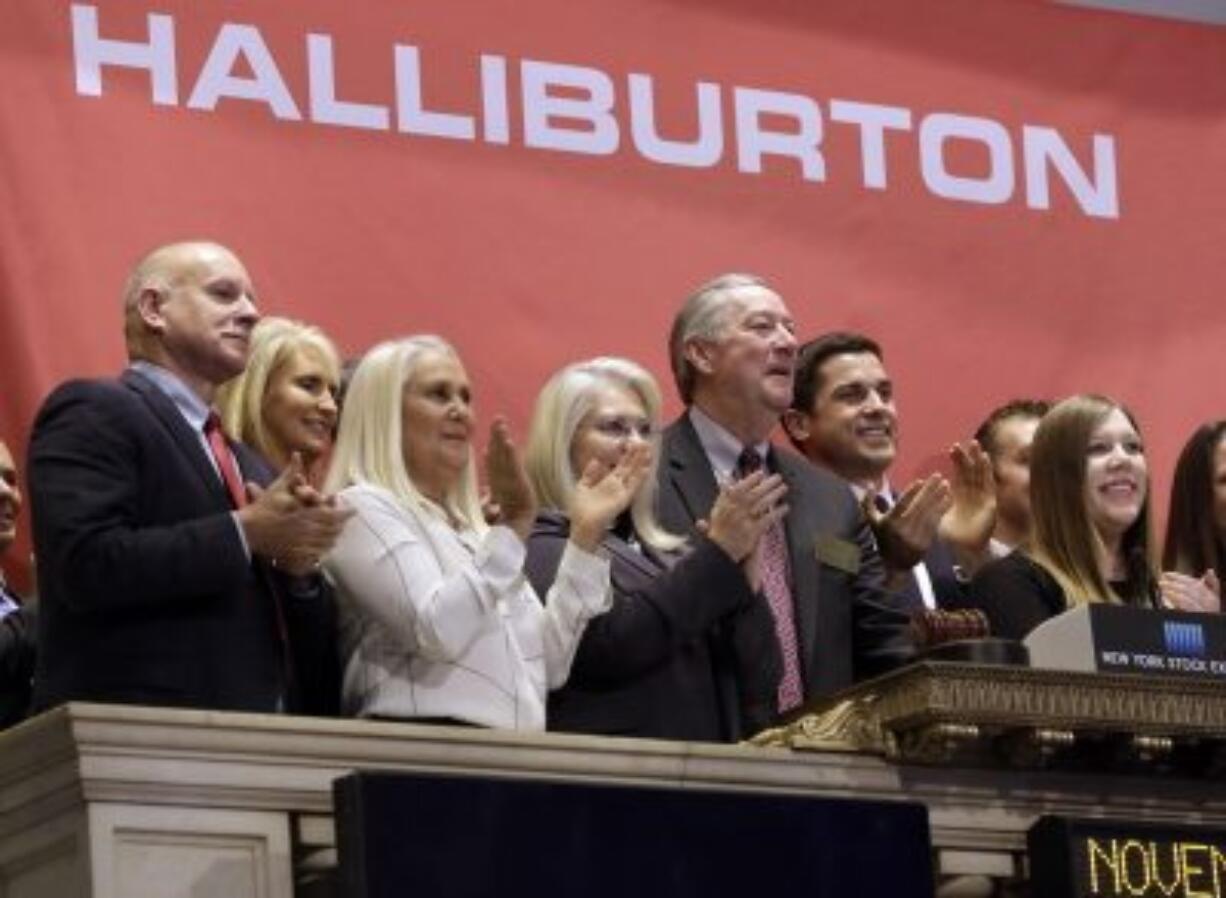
[847,627]
[645,667]
[147,595]
[950,591]
[17,654]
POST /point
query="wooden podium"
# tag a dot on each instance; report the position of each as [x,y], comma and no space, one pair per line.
[130,802]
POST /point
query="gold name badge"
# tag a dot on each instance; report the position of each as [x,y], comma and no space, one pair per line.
[838,553]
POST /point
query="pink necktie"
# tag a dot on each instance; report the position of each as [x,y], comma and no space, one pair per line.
[776,584]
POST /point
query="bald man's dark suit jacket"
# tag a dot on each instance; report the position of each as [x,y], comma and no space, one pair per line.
[147,595]
[847,627]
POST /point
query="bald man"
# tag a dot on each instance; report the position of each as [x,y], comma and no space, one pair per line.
[167,576]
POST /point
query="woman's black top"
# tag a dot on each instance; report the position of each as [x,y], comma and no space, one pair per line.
[1017,594]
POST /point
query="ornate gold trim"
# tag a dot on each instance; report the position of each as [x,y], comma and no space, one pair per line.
[939,712]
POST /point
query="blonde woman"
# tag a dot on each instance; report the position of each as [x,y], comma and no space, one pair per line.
[687,650]
[438,623]
[1090,498]
[285,400]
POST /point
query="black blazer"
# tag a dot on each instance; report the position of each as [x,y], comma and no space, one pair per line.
[146,593]
[848,627]
[644,667]
[951,591]
[17,654]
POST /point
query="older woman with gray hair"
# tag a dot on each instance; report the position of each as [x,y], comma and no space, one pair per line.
[687,650]
[438,623]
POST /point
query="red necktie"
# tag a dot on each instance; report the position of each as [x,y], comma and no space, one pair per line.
[225,460]
[238,496]
[776,582]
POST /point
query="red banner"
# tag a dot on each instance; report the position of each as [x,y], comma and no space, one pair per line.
[1016,198]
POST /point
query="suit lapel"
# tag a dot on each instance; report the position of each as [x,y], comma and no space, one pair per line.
[181,435]
[643,561]
[690,470]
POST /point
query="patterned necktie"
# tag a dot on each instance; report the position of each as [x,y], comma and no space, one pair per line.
[776,584]
[226,465]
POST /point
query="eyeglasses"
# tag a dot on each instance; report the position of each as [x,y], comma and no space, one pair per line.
[622,428]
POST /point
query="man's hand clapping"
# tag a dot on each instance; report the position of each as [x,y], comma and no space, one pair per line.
[906,532]
[290,521]
[968,524]
[744,510]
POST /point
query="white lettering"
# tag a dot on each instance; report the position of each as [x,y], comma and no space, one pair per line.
[938,128]
[217,79]
[494,118]
[595,110]
[1192,665]
[325,107]
[702,152]
[1096,196]
[872,121]
[575,109]
[752,142]
[92,52]
[414,117]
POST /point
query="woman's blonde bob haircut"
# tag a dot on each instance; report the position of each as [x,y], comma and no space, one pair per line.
[370,444]
[567,399]
[240,401]
[1065,541]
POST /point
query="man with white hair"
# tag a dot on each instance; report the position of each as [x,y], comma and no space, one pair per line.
[733,354]
[167,574]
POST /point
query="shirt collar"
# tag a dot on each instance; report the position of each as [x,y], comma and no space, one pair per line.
[998,549]
[886,492]
[193,409]
[720,446]
[8,600]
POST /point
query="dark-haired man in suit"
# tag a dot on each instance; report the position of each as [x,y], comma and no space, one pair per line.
[843,418]
[167,576]
[16,626]
[1006,435]
[733,354]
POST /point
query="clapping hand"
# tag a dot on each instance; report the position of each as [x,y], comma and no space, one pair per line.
[744,510]
[511,497]
[906,532]
[1186,593]
[490,512]
[604,492]
[968,524]
[291,522]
